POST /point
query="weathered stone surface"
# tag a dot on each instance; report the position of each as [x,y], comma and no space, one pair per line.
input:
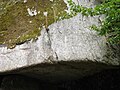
[67,40]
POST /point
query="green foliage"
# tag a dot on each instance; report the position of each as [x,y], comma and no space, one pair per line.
[17,26]
[110,26]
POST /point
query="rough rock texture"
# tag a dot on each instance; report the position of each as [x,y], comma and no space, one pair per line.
[67,40]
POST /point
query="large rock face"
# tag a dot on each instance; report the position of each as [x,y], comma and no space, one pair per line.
[69,40]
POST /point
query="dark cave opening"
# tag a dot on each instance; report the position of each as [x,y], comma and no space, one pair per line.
[105,80]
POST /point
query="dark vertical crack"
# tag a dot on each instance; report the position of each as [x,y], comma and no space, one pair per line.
[50,44]
[56,55]
[48,34]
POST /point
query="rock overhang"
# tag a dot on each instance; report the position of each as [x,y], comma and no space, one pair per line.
[67,40]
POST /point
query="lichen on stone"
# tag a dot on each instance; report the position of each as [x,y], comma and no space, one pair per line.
[21,20]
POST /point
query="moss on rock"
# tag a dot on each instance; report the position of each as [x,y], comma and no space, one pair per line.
[17,25]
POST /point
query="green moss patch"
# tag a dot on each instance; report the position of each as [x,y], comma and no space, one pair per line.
[16,24]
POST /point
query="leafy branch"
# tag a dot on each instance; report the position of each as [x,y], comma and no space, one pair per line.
[110,26]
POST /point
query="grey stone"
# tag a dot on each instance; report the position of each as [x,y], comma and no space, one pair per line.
[67,40]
